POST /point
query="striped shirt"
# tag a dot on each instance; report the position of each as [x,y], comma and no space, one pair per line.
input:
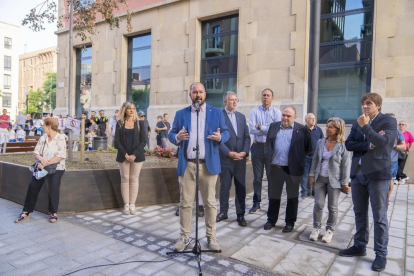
[263,117]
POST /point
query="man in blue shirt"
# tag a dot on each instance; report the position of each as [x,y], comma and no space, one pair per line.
[163,127]
[259,121]
[316,134]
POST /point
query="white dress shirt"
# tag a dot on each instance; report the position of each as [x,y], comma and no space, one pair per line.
[191,154]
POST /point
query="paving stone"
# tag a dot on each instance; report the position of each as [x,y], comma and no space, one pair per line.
[397,242]
[393,268]
[398,224]
[6,268]
[340,239]
[151,268]
[38,256]
[28,270]
[363,268]
[100,254]
[263,251]
[396,232]
[343,266]
[305,260]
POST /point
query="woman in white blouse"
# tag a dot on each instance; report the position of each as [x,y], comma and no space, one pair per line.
[51,149]
[331,167]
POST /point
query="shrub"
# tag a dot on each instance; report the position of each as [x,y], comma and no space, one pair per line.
[100,149]
[166,153]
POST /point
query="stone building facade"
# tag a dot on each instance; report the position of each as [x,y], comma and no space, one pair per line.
[33,68]
[245,46]
[9,64]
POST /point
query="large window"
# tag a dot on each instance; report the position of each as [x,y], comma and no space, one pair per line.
[139,71]
[7,81]
[7,43]
[83,79]
[7,63]
[6,99]
[345,57]
[219,50]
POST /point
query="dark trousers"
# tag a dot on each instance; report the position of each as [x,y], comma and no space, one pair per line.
[304,185]
[237,170]
[277,177]
[365,191]
[259,157]
[401,166]
[102,132]
[53,191]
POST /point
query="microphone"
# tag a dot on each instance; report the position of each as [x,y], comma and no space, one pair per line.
[197,106]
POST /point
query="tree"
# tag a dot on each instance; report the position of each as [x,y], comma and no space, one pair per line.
[49,89]
[87,12]
[34,98]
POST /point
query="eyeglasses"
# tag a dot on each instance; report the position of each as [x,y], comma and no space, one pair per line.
[233,100]
[401,124]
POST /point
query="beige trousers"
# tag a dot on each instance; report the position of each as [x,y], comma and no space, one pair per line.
[187,194]
[129,180]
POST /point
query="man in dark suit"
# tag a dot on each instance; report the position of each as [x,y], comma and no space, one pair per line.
[233,155]
[288,143]
[371,140]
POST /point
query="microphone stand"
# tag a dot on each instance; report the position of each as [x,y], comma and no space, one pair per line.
[197,247]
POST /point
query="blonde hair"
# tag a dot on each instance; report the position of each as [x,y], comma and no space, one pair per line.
[339,124]
[52,122]
[124,107]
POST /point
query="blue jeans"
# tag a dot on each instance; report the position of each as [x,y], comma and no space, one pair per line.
[365,191]
[304,184]
[259,157]
[394,169]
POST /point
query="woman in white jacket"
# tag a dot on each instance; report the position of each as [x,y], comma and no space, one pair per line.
[331,166]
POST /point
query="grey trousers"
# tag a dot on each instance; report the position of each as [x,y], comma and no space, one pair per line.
[323,188]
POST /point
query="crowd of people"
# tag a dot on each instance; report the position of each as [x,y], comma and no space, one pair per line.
[301,158]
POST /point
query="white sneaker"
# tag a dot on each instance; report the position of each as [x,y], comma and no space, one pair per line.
[401,182]
[126,210]
[132,209]
[396,182]
[328,236]
[315,234]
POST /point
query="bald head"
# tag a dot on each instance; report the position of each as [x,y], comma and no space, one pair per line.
[310,120]
[197,93]
[288,116]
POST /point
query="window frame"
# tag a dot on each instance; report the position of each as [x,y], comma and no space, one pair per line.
[10,62]
[6,45]
[4,80]
[4,97]
[130,68]
[78,77]
[219,76]
[350,64]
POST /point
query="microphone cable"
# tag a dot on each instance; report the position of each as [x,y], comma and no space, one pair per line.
[130,262]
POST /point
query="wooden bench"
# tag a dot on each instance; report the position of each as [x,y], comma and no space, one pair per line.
[31,138]
[12,147]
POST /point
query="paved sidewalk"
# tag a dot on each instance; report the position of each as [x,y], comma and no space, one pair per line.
[86,239]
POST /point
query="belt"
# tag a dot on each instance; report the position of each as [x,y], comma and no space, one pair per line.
[259,143]
[201,161]
[280,167]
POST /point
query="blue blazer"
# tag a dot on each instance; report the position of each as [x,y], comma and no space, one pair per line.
[237,143]
[214,120]
[376,162]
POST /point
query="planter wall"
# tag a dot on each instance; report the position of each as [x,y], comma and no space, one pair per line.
[86,190]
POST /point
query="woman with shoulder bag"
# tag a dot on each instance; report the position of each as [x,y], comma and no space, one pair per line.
[130,140]
[331,167]
[50,155]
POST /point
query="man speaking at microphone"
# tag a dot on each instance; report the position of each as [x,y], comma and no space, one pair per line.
[212,131]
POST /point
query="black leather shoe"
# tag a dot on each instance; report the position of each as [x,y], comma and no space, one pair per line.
[352,251]
[177,213]
[268,225]
[221,216]
[288,228]
[241,220]
[200,211]
[379,263]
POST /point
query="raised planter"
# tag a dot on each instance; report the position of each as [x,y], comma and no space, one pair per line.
[86,190]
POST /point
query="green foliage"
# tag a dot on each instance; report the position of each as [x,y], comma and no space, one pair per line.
[49,88]
[100,149]
[141,97]
[34,98]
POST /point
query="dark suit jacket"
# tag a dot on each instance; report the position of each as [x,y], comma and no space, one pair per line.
[301,144]
[237,143]
[140,140]
[376,162]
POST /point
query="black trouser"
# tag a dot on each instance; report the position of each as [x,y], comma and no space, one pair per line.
[53,191]
[401,165]
[277,177]
[238,171]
